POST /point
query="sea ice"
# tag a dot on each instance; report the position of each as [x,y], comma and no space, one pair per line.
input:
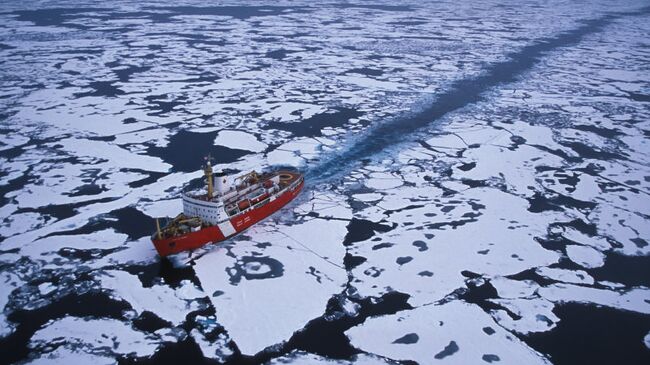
[167,303]
[635,299]
[239,140]
[96,336]
[566,276]
[67,356]
[258,283]
[585,256]
[455,332]
[305,358]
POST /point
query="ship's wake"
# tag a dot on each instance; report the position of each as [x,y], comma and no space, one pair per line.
[459,94]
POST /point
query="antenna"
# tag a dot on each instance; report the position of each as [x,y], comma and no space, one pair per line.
[208,159]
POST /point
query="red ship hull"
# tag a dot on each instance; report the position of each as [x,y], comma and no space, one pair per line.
[193,240]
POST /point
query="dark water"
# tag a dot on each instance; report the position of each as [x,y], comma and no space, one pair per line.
[594,335]
[627,270]
[14,347]
[186,151]
[585,334]
[320,336]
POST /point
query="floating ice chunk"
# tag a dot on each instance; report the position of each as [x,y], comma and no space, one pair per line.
[626,227]
[326,206]
[328,131]
[297,357]
[587,188]
[173,334]
[513,166]
[295,152]
[377,168]
[140,253]
[213,349]
[261,310]
[157,136]
[414,154]
[398,199]
[118,156]
[635,299]
[99,336]
[104,239]
[288,111]
[585,256]
[446,141]
[20,222]
[452,326]
[482,135]
[368,197]
[369,83]
[508,288]
[46,288]
[325,141]
[494,235]
[161,208]
[454,185]
[167,303]
[383,181]
[566,276]
[10,140]
[536,315]
[534,134]
[239,140]
[67,356]
[596,242]
[646,340]
[8,282]
[611,284]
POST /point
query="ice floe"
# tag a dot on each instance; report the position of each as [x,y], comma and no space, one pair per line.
[566,276]
[493,244]
[454,333]
[170,304]
[213,348]
[530,315]
[239,140]
[8,283]
[108,337]
[301,357]
[635,299]
[257,285]
[65,356]
[585,256]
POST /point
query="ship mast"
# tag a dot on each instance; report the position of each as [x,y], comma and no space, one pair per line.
[208,176]
[158,229]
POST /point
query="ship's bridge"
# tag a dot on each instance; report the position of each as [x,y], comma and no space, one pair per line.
[209,211]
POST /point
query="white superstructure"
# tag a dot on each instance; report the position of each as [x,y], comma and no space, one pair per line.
[209,211]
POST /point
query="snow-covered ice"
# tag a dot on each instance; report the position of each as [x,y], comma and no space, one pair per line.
[487,165]
[95,336]
[258,284]
[454,333]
